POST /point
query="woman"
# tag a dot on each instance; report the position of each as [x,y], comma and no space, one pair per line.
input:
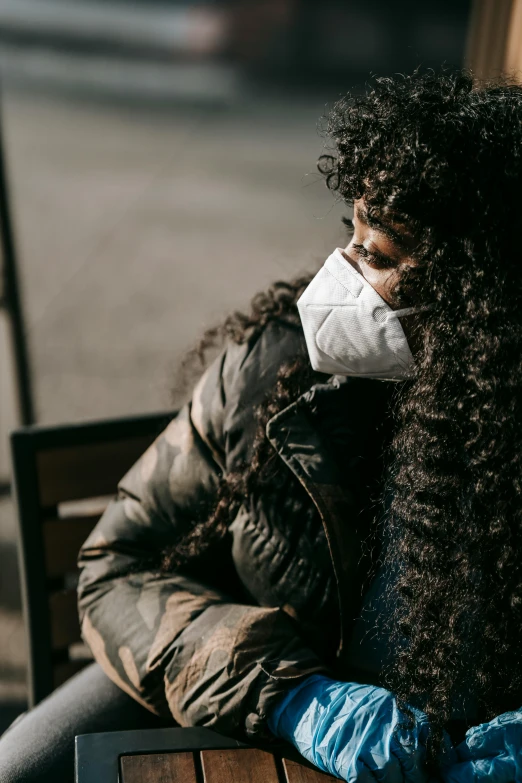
[328,554]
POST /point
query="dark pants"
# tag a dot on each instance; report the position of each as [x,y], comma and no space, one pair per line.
[40,745]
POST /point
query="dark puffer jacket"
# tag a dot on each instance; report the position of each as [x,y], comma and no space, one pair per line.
[217,644]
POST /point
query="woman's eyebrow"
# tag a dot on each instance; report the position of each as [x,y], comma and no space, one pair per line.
[373,221]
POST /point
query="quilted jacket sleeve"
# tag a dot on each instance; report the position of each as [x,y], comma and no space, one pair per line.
[176,644]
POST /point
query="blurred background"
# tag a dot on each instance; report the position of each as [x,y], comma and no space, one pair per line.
[160,158]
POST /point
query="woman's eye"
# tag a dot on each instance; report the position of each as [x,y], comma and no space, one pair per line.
[374,259]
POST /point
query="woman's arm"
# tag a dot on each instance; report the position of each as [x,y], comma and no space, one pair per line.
[353,731]
[173,642]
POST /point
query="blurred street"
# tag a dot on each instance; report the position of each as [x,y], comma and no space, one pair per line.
[137,228]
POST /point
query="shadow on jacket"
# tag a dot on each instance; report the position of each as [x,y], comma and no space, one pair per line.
[218,643]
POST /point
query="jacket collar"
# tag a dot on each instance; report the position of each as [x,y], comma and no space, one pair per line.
[323,437]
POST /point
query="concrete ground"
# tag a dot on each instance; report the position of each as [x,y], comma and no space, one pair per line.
[137,228]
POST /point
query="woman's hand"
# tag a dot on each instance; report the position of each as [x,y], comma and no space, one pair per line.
[356,732]
[490,752]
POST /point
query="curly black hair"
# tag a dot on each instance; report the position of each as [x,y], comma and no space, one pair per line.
[441,155]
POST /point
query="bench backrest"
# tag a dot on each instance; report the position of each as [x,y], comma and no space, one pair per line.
[64,477]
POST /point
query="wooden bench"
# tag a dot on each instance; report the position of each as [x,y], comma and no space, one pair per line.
[192,755]
[217,766]
[64,477]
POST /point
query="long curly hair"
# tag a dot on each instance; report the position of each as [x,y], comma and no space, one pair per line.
[441,155]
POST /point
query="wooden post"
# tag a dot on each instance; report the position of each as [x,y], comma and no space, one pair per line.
[494,44]
[16,398]
[11,299]
[513,60]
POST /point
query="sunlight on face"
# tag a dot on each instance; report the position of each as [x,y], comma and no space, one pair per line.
[377,250]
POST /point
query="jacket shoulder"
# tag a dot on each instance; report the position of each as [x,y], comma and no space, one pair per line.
[237,382]
[250,369]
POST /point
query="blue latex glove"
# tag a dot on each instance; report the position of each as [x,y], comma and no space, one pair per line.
[352,731]
[491,751]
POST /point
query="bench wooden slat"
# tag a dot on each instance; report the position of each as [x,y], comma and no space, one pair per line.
[158,768]
[62,541]
[298,773]
[65,625]
[86,471]
[240,766]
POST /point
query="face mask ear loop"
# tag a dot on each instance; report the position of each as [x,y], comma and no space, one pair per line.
[409,311]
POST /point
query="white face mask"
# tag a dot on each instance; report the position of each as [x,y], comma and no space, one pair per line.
[349,329]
